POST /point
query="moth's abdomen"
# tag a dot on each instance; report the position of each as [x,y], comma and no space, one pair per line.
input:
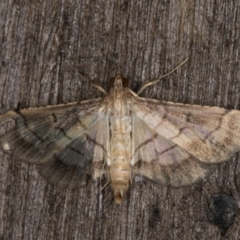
[120,177]
[120,151]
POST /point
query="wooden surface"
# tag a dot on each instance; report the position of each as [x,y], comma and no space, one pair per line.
[146,39]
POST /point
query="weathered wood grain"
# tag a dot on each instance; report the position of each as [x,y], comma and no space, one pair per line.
[146,39]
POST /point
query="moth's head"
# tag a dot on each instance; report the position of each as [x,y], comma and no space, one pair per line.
[118,81]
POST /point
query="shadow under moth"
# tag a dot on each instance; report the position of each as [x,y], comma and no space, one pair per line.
[122,135]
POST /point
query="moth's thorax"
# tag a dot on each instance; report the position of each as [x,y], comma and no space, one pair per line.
[119,101]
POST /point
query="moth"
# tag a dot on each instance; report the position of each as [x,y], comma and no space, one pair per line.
[122,135]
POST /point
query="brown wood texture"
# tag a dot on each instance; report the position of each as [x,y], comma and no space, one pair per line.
[146,39]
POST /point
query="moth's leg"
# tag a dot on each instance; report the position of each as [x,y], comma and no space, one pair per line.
[108,157]
[133,158]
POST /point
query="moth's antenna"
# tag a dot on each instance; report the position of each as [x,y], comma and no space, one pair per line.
[91,82]
[154,81]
